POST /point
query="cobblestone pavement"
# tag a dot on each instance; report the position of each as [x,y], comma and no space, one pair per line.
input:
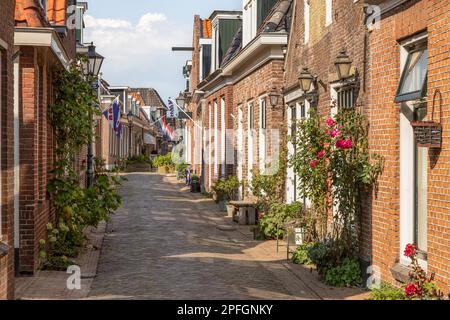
[166,243]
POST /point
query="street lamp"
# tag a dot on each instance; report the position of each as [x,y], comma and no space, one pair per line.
[180,100]
[91,69]
[274,97]
[306,79]
[343,65]
[130,127]
[94,62]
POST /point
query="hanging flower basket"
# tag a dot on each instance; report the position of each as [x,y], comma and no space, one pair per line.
[428,133]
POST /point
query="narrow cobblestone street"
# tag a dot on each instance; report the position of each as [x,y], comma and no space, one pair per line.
[166,243]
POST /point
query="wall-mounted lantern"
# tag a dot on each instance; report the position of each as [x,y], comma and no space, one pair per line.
[274,97]
[343,65]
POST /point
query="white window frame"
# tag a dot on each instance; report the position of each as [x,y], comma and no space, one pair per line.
[250,142]
[216,140]
[407,174]
[262,134]
[328,12]
[222,136]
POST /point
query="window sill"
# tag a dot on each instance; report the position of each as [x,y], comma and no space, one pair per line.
[4,249]
[400,273]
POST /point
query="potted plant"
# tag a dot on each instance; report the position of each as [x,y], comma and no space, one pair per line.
[195,183]
[225,191]
[164,164]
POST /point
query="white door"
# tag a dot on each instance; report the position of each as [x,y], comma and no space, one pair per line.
[240,150]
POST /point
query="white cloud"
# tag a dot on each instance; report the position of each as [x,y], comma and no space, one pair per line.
[140,54]
[92,22]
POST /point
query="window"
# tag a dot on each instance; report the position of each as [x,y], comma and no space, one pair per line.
[264,8]
[1,99]
[328,12]
[346,97]
[413,82]
[250,116]
[263,114]
[206,60]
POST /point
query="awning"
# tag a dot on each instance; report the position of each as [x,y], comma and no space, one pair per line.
[149,139]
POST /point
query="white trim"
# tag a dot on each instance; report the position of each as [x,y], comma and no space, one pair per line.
[3,44]
[262,135]
[41,37]
[328,12]
[16,154]
[222,136]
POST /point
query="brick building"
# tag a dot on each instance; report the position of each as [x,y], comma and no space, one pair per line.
[398,74]
[46,46]
[7,110]
[408,54]
[246,62]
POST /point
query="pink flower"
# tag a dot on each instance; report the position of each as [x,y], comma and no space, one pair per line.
[313,164]
[330,122]
[334,133]
[321,154]
[260,215]
[410,250]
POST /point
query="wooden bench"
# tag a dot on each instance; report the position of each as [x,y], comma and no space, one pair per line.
[245,212]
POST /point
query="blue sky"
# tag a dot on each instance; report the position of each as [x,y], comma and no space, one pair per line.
[136,37]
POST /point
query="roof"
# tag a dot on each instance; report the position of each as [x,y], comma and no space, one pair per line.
[205,29]
[278,20]
[151,97]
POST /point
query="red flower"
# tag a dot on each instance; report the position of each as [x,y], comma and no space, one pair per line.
[321,154]
[412,290]
[410,250]
[313,164]
[330,122]
[344,144]
[260,215]
[326,130]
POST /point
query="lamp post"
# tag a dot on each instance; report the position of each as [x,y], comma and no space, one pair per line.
[91,69]
[130,128]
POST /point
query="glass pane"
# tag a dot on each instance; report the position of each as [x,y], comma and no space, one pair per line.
[415,72]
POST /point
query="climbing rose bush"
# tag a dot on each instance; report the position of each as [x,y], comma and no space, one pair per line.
[420,286]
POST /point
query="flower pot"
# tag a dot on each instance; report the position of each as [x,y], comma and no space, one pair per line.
[195,187]
[222,205]
[231,210]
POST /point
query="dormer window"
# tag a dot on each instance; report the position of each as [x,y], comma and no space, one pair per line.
[254,14]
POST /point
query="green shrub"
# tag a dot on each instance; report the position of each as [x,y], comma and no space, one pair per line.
[226,188]
[387,292]
[181,169]
[272,223]
[164,161]
[301,254]
[347,274]
[195,179]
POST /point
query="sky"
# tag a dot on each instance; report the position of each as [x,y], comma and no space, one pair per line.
[136,37]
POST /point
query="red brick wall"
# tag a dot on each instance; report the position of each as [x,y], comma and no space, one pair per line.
[405,21]
[7,151]
[255,85]
[227,94]
[439,177]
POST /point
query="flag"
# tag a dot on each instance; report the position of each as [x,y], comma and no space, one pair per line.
[173,109]
[109,114]
[117,116]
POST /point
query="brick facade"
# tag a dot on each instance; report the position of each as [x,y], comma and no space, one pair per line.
[7,148]
[37,69]
[400,24]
